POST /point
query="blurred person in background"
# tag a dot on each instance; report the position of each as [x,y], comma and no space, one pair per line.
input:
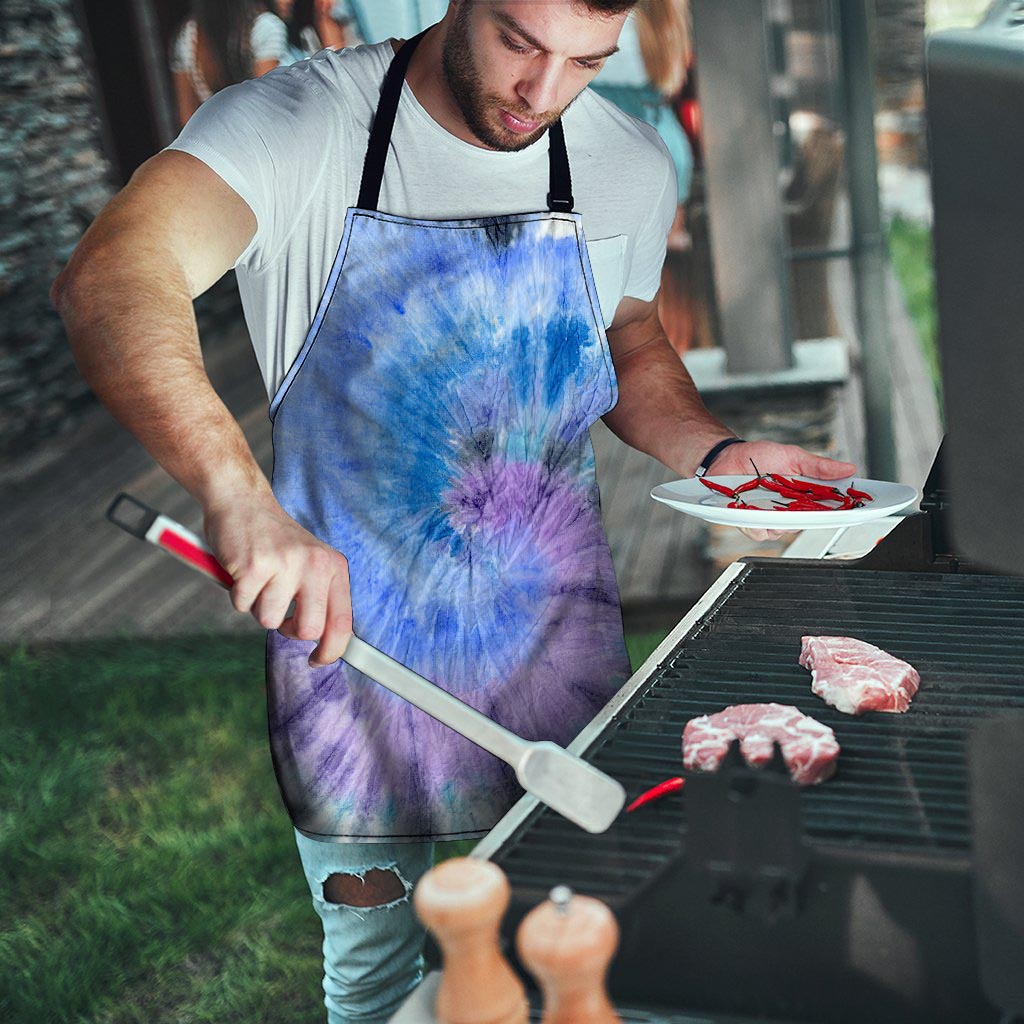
[373,21]
[221,43]
[648,73]
[314,25]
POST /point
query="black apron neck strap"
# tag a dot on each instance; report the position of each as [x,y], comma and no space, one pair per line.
[560,184]
[383,123]
[560,194]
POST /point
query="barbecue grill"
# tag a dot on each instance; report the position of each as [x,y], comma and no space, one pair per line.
[746,896]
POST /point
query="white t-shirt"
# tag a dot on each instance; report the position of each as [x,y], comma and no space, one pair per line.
[292,144]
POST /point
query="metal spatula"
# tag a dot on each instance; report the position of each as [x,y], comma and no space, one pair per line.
[564,782]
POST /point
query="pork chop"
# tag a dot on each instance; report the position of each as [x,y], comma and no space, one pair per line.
[809,748]
[854,677]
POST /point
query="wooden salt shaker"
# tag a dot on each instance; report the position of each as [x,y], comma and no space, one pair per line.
[462,901]
[567,943]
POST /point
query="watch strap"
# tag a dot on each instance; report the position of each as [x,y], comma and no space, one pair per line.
[705,463]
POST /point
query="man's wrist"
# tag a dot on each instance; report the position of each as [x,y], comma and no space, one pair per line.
[714,452]
[233,485]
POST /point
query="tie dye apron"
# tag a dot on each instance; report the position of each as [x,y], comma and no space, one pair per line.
[433,429]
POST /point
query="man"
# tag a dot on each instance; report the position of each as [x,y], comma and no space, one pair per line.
[430,323]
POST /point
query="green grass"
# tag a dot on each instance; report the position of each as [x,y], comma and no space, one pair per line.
[910,246]
[151,872]
[641,646]
[148,868]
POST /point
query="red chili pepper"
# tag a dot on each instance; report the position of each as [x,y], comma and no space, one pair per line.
[808,487]
[750,485]
[788,492]
[656,793]
[863,495]
[772,485]
[793,485]
[806,505]
[720,488]
[740,503]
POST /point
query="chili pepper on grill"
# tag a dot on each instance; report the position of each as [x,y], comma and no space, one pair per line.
[720,488]
[656,793]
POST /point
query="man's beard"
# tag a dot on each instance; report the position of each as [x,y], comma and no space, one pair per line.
[464,83]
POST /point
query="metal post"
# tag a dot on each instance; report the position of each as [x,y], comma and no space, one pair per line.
[868,239]
[154,66]
[748,237]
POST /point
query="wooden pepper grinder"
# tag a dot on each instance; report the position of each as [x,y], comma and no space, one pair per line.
[462,901]
[567,943]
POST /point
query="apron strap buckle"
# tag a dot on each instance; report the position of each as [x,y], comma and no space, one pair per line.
[560,204]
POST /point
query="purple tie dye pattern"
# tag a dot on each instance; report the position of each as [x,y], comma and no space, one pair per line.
[434,430]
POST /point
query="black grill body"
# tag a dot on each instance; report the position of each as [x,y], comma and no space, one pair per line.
[846,901]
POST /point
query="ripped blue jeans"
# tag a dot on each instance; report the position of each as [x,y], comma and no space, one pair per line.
[372,955]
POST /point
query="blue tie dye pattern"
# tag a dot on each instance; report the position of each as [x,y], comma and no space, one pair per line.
[434,430]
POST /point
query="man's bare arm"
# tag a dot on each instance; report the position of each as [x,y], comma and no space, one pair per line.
[126,300]
[661,412]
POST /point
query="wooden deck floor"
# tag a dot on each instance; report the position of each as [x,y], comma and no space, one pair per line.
[74,575]
[70,574]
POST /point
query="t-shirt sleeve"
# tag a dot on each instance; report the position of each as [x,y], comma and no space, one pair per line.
[652,238]
[269,38]
[268,139]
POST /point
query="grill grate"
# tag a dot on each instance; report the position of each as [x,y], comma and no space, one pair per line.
[902,779]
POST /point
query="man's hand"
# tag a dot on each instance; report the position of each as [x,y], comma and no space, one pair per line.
[275,561]
[770,457]
[660,412]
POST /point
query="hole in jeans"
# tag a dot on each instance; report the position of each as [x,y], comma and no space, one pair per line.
[375,888]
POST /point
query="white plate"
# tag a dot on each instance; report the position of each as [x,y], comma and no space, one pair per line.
[693,498]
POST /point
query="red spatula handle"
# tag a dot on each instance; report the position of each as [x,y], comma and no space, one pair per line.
[147,524]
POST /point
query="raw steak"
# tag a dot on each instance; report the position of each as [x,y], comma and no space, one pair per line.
[855,677]
[809,748]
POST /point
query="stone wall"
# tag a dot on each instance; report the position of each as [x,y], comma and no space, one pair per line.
[54,178]
[899,82]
